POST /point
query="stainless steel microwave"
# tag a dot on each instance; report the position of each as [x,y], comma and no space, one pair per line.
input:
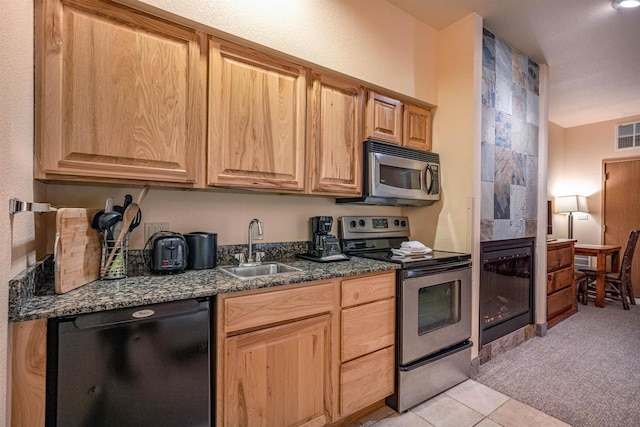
[397,176]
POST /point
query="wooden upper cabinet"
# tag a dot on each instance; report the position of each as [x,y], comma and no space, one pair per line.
[256,120]
[384,118]
[335,112]
[416,132]
[394,121]
[121,95]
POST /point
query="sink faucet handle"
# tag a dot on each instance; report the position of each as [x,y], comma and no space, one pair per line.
[259,256]
[240,258]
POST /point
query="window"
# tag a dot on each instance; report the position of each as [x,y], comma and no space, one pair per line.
[628,136]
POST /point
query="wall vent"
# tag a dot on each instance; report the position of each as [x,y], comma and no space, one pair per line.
[582,261]
[628,136]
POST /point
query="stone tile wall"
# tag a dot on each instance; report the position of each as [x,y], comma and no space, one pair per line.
[509,164]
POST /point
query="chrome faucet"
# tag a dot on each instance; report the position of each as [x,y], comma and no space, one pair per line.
[250,255]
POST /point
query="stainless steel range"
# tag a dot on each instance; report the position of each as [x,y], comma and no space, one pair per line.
[433,308]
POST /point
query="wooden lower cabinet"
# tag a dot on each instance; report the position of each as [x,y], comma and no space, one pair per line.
[367,341]
[275,356]
[561,291]
[367,328]
[28,373]
[279,376]
[283,361]
[366,380]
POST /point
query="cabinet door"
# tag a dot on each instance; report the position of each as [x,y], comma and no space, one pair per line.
[256,120]
[384,118]
[28,373]
[335,137]
[367,328]
[417,127]
[279,376]
[366,380]
[121,95]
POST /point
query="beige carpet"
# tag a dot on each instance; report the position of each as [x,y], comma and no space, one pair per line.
[586,371]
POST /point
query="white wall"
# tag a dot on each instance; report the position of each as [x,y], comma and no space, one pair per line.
[449,223]
[285,217]
[370,40]
[16,152]
[540,287]
[575,167]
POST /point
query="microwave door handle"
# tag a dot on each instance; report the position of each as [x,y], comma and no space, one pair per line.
[430,180]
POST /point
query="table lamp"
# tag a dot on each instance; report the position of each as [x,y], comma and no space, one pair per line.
[570,205]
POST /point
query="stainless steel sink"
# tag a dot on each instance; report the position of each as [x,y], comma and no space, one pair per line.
[265,269]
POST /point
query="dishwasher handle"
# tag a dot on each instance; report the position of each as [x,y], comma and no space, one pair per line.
[136,314]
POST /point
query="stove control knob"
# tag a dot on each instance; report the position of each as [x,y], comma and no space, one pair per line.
[396,222]
[403,223]
[361,223]
[352,224]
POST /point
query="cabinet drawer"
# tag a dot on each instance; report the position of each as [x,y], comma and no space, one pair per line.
[560,302]
[270,307]
[367,328]
[559,258]
[559,279]
[368,288]
[366,380]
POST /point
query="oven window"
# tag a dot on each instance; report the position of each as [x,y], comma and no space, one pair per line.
[400,177]
[438,306]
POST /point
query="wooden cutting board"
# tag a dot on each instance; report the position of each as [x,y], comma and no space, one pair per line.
[78,249]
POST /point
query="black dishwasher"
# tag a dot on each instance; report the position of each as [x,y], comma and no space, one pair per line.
[140,366]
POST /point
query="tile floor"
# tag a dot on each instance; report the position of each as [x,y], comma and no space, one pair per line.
[465,405]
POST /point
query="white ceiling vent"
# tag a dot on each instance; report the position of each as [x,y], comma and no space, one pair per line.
[628,136]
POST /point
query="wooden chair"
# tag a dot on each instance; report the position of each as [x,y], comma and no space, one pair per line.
[618,285]
[582,280]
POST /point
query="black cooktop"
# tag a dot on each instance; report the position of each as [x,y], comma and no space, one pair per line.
[433,259]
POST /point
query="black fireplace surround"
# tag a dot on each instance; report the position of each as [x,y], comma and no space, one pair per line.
[506,287]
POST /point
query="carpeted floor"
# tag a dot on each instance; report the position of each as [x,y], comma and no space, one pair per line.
[586,371]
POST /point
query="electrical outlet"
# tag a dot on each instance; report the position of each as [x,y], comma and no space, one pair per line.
[150,228]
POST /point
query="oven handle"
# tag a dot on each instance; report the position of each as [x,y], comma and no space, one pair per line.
[437,356]
[419,272]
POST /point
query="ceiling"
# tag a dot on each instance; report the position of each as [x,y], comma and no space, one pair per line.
[592,49]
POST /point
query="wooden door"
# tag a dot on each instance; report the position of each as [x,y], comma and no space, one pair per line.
[384,118]
[279,376]
[256,120]
[622,209]
[121,95]
[335,115]
[416,132]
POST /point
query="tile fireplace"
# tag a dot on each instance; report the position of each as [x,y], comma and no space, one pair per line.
[506,287]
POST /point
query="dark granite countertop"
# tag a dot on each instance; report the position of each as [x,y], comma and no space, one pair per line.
[149,289]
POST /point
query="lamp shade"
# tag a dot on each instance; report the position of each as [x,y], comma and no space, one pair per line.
[569,204]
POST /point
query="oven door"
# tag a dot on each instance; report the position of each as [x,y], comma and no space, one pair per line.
[435,313]
[398,177]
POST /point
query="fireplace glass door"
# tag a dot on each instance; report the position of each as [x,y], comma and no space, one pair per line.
[506,288]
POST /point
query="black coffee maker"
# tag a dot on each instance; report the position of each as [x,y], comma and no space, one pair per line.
[325,247]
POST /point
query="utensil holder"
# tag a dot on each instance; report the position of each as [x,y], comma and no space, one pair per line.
[117,268]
